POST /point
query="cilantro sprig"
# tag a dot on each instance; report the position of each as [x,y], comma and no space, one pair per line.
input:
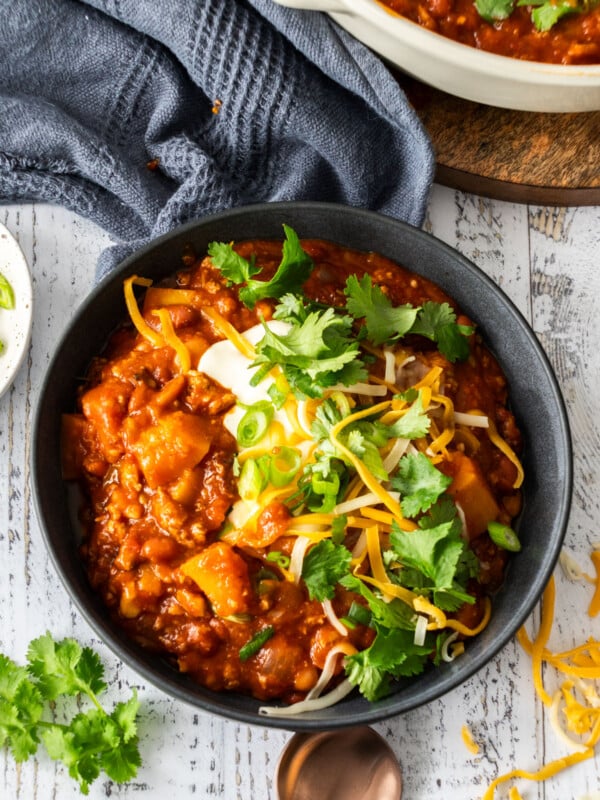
[387,323]
[318,351]
[94,740]
[294,269]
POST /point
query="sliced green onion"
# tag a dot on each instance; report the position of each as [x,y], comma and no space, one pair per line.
[358,614]
[251,481]
[277,392]
[329,485]
[7,296]
[338,529]
[285,463]
[278,558]
[504,536]
[256,642]
[255,423]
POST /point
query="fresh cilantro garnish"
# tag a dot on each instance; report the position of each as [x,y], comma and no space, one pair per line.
[387,614]
[323,566]
[393,654]
[94,740]
[414,424]
[437,321]
[491,10]
[419,483]
[545,14]
[317,353]
[383,321]
[386,323]
[430,559]
[292,272]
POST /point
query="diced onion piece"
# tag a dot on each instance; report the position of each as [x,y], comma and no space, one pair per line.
[420,630]
[472,420]
[367,389]
[333,618]
[368,499]
[316,704]
[297,557]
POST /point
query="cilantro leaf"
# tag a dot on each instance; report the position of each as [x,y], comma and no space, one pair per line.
[433,561]
[437,321]
[21,707]
[546,14]
[234,267]
[93,740]
[64,667]
[491,10]
[292,272]
[393,654]
[324,565]
[419,483]
[383,321]
[392,614]
[414,424]
[318,352]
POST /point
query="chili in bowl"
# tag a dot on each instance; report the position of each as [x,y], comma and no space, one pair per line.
[309,478]
[541,56]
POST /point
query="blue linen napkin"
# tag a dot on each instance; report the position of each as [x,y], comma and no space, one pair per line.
[143,115]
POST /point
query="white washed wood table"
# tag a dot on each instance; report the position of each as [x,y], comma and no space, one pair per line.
[548,261]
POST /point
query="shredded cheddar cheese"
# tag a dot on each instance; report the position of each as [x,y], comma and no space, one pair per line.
[574,709]
[468,740]
[134,312]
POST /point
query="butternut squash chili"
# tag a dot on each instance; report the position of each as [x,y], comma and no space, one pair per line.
[549,31]
[320,503]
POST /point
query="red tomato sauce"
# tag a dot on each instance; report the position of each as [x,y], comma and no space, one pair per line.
[574,39]
[156,466]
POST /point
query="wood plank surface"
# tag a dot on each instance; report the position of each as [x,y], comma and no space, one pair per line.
[545,258]
[518,156]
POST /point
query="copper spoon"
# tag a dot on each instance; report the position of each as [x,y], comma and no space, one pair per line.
[346,764]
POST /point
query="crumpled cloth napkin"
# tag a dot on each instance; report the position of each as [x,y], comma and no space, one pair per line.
[143,114]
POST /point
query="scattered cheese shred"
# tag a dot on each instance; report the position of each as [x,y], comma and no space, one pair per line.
[467,738]
[135,314]
[594,607]
[499,442]
[229,332]
[171,338]
[567,713]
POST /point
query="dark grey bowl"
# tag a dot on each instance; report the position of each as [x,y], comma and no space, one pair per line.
[535,398]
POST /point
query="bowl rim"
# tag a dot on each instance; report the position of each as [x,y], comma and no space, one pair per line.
[170,681]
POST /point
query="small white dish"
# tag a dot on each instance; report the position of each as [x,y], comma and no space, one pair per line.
[15,324]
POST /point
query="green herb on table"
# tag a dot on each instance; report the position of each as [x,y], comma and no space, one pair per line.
[94,740]
[7,299]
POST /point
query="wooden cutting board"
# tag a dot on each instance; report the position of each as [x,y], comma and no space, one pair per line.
[519,156]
